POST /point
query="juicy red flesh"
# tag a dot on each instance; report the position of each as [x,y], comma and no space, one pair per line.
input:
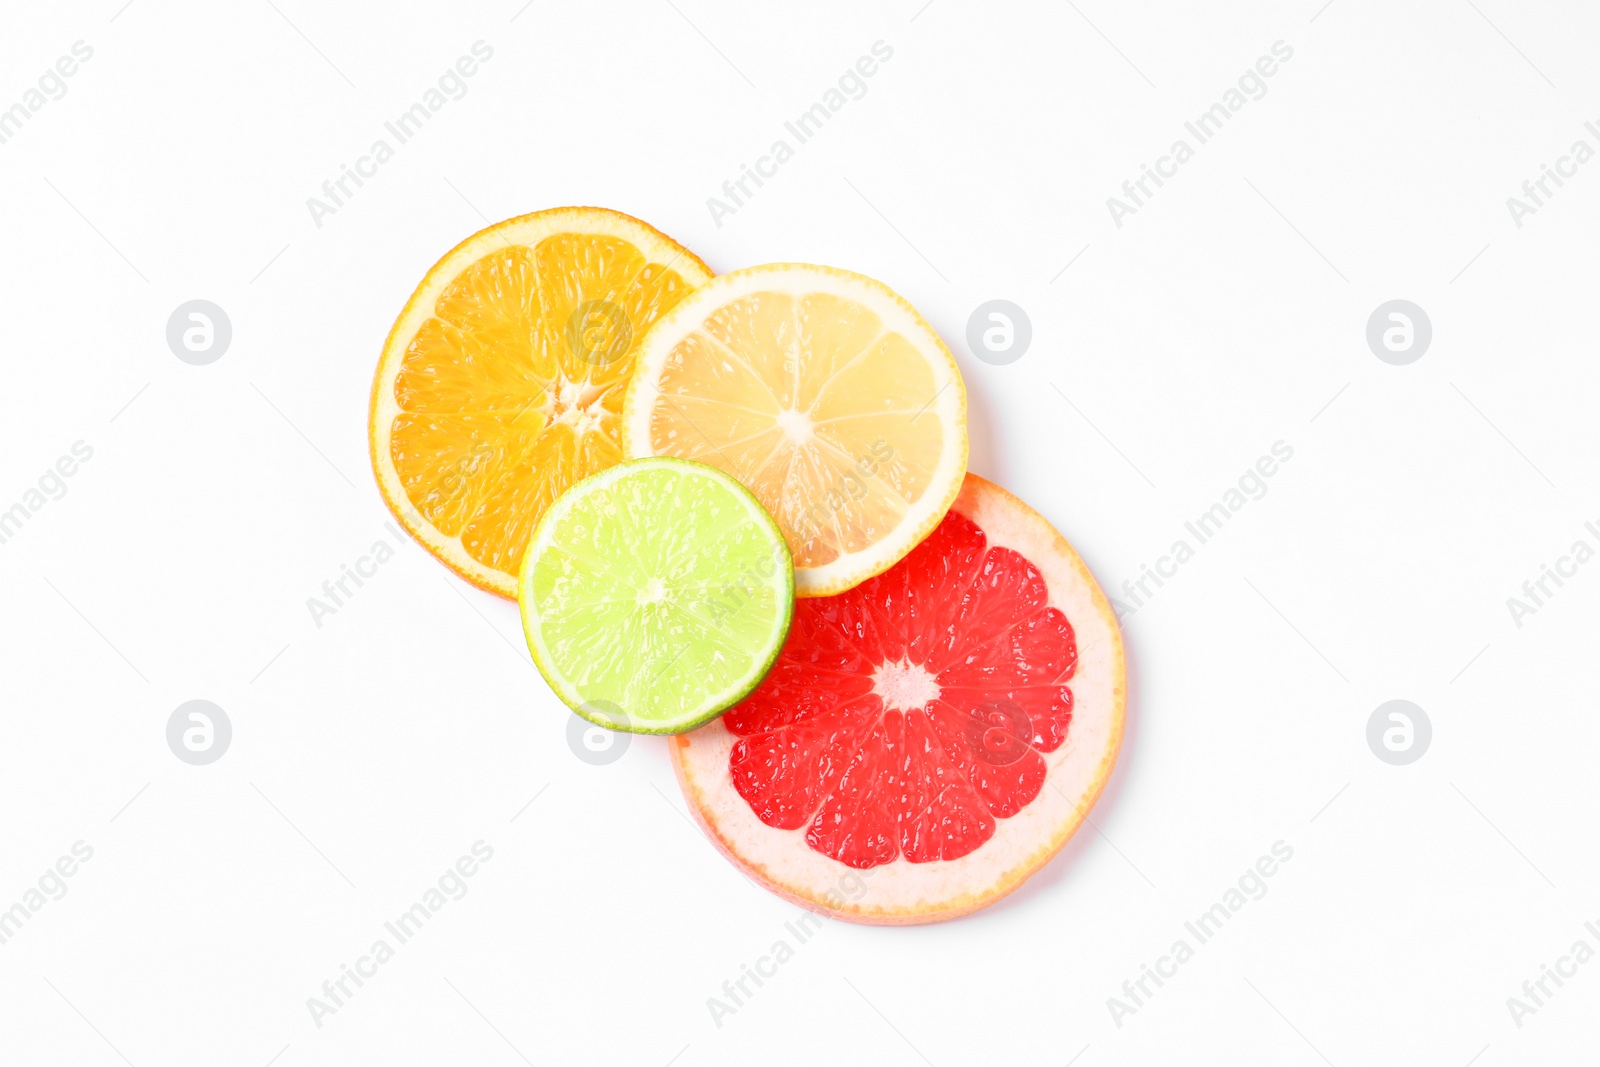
[819,749]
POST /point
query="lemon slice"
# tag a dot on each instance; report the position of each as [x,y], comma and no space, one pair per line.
[823,392]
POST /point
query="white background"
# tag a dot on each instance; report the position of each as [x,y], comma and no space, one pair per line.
[1227,314]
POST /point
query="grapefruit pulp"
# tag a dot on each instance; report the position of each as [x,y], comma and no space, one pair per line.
[928,739]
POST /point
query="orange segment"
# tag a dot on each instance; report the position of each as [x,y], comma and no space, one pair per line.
[826,394]
[503,380]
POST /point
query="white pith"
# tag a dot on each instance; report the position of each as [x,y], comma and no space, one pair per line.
[797,424]
[570,402]
[577,404]
[902,891]
[904,685]
[948,404]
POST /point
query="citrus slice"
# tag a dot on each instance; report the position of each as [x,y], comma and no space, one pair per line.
[822,391]
[655,595]
[503,379]
[929,739]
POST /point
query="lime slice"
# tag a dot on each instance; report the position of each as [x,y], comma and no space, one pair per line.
[656,595]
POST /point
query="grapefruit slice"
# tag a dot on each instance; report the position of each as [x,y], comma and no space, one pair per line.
[502,381]
[822,391]
[929,739]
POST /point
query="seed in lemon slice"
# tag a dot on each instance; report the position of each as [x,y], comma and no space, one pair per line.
[502,381]
[655,595]
[822,391]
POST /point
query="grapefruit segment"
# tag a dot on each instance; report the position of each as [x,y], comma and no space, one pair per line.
[942,727]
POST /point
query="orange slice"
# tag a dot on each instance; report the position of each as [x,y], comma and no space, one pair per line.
[503,379]
[826,394]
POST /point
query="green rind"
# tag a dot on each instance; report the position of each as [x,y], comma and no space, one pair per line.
[558,687]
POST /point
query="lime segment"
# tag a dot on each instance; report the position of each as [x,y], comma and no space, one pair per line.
[655,595]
